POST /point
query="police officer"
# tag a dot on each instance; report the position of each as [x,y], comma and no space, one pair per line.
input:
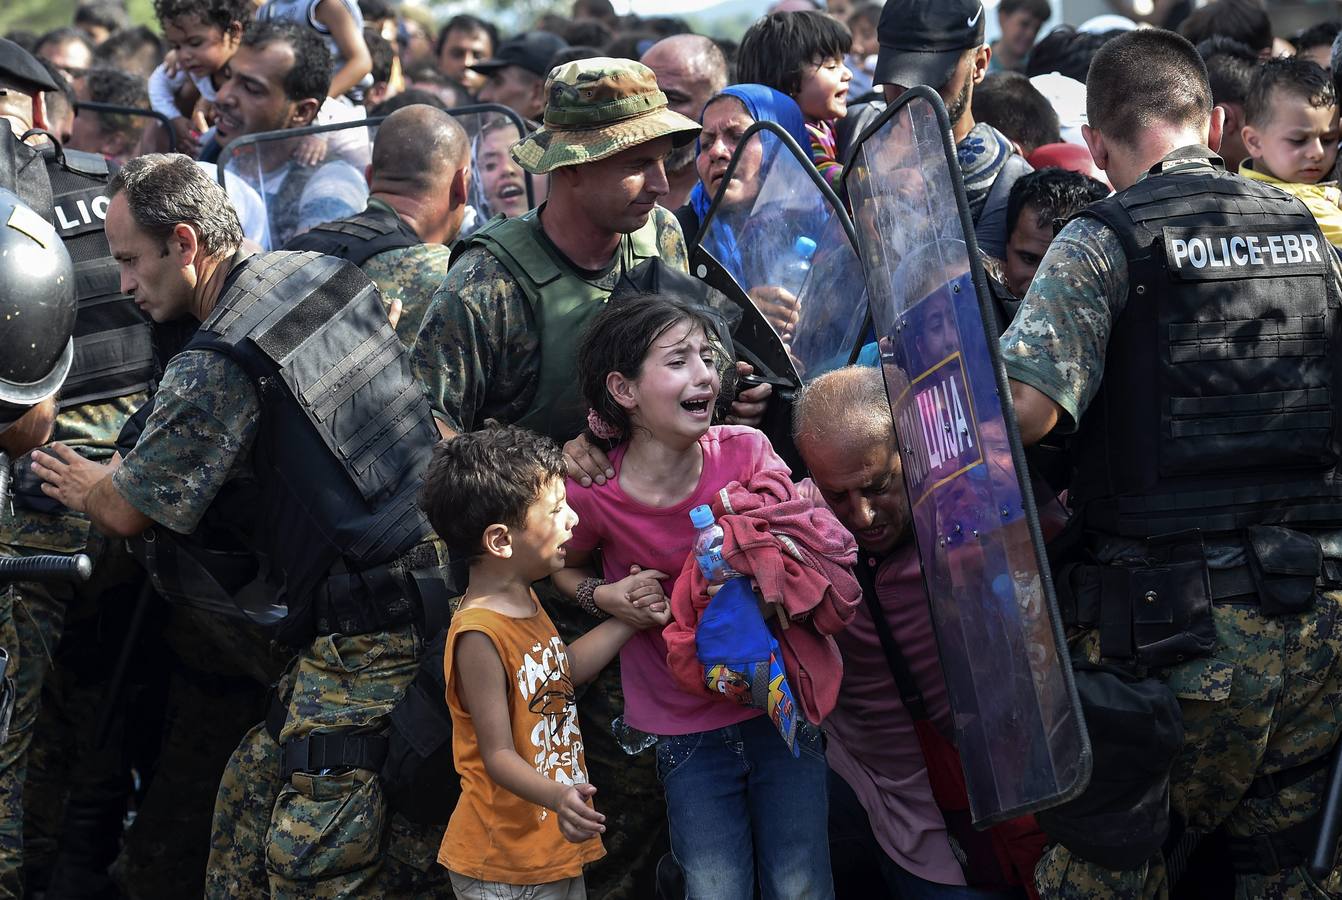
[290,422]
[419,183]
[112,366]
[1186,329]
[37,307]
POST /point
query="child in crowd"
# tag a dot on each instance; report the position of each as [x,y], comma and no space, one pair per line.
[1291,134]
[739,804]
[500,181]
[802,54]
[202,36]
[340,24]
[525,817]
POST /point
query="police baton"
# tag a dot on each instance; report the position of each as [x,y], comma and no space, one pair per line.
[45,567]
[1330,820]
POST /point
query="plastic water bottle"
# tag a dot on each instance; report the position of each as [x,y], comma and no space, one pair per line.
[708,546]
[791,271]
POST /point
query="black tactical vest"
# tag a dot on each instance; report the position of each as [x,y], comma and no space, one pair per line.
[1219,404]
[113,352]
[358,238]
[345,430]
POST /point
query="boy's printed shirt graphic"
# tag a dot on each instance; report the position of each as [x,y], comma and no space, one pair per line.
[556,744]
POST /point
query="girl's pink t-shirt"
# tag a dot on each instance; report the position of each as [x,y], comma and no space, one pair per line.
[631,533]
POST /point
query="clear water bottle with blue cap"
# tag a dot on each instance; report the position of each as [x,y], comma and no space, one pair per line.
[708,546]
[791,270]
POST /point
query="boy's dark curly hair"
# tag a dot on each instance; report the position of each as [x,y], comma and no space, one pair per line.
[1288,76]
[221,13]
[484,477]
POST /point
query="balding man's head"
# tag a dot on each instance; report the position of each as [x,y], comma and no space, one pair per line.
[850,401]
[690,69]
[416,146]
[421,166]
[842,427]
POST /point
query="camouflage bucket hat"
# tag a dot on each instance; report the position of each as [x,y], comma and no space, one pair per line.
[595,108]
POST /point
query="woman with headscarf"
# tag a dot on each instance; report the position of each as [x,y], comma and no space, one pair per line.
[755,244]
[725,119]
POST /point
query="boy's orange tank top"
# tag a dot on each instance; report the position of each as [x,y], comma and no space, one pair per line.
[493,834]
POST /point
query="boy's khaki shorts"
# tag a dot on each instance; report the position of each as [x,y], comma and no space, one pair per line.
[474,889]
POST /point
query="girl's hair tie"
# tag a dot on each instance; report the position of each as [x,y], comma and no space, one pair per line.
[599,427]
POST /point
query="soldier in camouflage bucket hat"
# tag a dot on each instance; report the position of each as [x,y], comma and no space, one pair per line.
[597,108]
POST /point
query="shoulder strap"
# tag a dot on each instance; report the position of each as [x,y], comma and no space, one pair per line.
[23,171]
[899,667]
[358,238]
[643,243]
[91,164]
[515,244]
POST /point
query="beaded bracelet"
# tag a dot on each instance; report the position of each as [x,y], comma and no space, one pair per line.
[587,597]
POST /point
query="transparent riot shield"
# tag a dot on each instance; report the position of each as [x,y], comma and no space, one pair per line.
[296,197]
[499,186]
[776,236]
[1018,723]
[777,242]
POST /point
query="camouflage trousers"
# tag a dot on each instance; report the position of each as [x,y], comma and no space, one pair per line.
[1266,701]
[30,625]
[323,834]
[32,617]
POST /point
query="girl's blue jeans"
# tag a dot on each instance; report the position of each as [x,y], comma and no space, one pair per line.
[741,806]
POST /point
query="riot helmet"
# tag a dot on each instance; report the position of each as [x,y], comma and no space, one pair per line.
[37,309]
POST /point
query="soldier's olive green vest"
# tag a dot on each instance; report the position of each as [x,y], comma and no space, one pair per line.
[563,302]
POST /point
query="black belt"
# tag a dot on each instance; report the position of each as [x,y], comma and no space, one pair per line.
[323,750]
[1234,584]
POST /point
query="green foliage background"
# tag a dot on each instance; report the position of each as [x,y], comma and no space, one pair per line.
[41,15]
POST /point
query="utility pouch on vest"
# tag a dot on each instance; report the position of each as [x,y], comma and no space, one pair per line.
[1285,566]
[1157,613]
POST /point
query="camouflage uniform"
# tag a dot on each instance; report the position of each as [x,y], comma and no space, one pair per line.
[318,834]
[1267,698]
[476,350]
[218,672]
[32,616]
[411,275]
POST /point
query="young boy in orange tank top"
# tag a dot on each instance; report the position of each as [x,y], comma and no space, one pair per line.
[525,816]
